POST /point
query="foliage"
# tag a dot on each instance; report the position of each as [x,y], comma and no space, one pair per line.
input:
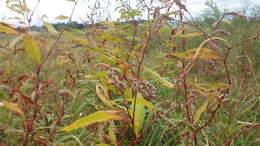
[158,81]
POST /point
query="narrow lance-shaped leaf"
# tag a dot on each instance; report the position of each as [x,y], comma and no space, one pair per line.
[32,49]
[189,35]
[83,42]
[5,28]
[43,42]
[138,116]
[112,136]
[205,53]
[102,144]
[62,17]
[99,116]
[16,41]
[157,77]
[103,96]
[13,107]
[202,109]
[143,101]
[50,27]
[76,39]
[99,75]
[210,87]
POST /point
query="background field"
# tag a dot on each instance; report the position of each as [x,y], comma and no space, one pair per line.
[72,80]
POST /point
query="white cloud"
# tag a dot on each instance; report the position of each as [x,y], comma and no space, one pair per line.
[196,9]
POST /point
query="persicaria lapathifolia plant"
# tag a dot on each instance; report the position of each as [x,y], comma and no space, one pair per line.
[155,77]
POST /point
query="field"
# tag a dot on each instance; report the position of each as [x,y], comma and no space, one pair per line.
[162,81]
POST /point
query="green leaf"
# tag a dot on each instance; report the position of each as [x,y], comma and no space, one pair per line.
[143,101]
[77,139]
[205,53]
[210,87]
[112,135]
[127,14]
[102,144]
[50,27]
[32,49]
[76,39]
[5,28]
[99,116]
[105,58]
[160,79]
[99,75]
[2,95]
[62,17]
[16,41]
[139,116]
[77,31]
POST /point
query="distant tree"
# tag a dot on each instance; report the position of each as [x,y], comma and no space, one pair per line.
[213,10]
[255,14]
[74,24]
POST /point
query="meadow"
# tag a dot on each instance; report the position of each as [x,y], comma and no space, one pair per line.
[171,79]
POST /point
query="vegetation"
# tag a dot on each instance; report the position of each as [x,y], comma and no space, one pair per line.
[168,79]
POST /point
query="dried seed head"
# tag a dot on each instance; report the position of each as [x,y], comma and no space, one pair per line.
[144,87]
[113,75]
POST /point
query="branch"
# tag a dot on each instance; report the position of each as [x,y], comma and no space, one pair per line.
[229,141]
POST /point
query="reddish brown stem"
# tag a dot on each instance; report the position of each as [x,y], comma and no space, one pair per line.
[229,141]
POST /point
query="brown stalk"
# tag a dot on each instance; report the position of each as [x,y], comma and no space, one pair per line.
[36,109]
[184,83]
[229,141]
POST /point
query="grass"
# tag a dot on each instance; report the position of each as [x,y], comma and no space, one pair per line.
[71,96]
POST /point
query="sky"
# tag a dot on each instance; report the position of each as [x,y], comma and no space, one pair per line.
[54,8]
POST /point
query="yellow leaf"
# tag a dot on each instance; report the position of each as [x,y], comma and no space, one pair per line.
[32,49]
[205,53]
[138,116]
[189,35]
[62,17]
[61,60]
[103,96]
[102,144]
[202,109]
[99,75]
[210,87]
[50,27]
[107,23]
[76,39]
[148,104]
[99,116]
[43,42]
[5,28]
[13,107]
[156,76]
[106,59]
[245,123]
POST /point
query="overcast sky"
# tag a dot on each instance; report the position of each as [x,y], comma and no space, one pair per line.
[54,8]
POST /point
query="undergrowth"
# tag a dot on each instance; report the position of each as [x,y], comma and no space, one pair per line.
[170,79]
